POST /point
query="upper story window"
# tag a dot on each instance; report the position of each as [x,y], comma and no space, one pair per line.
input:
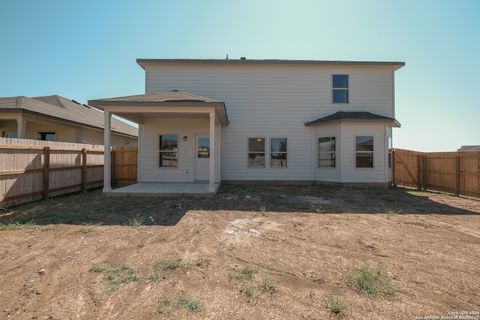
[278,155]
[340,88]
[168,150]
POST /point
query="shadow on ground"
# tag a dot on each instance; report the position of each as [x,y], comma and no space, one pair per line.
[93,208]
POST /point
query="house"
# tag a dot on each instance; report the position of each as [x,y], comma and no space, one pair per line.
[469,148]
[261,121]
[59,119]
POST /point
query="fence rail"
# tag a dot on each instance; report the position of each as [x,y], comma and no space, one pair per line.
[32,170]
[453,172]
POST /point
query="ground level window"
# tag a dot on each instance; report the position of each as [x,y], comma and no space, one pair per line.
[326,152]
[256,152]
[47,136]
[390,150]
[278,155]
[168,153]
[364,152]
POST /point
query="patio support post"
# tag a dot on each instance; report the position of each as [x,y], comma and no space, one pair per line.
[107,152]
[211,179]
[21,127]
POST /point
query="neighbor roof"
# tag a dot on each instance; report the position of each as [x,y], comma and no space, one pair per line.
[64,109]
[351,116]
[142,62]
[470,148]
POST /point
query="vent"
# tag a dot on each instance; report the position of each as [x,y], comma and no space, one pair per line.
[243,58]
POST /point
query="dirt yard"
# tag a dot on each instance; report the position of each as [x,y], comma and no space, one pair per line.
[249,253]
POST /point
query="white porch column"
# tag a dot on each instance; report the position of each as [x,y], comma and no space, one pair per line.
[107,161]
[211,179]
[21,128]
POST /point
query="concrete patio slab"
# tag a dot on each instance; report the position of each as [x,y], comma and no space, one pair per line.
[165,189]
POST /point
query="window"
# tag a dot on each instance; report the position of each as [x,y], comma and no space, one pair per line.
[390,151]
[203,148]
[278,155]
[326,152]
[168,155]
[256,152]
[47,136]
[364,152]
[340,88]
[11,135]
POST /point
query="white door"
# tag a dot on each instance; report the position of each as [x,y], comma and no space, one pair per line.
[202,158]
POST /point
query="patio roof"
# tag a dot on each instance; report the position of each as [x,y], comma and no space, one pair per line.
[173,98]
[351,116]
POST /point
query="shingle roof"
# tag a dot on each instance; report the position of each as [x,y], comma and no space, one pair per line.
[351,116]
[470,148]
[162,96]
[65,109]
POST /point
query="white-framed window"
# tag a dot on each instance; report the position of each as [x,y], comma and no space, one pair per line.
[364,152]
[168,151]
[256,152]
[340,88]
[278,152]
[326,152]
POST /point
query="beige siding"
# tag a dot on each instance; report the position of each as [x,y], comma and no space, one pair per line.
[149,171]
[275,101]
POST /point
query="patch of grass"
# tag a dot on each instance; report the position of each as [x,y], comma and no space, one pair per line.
[166,306]
[262,209]
[135,222]
[243,273]
[248,291]
[392,213]
[115,276]
[169,264]
[15,226]
[268,286]
[334,303]
[189,304]
[319,210]
[371,280]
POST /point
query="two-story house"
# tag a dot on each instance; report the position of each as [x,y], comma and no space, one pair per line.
[261,121]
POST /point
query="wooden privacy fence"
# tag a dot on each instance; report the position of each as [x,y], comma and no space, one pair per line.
[453,172]
[32,170]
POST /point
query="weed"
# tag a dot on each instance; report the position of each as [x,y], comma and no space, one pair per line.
[244,273]
[392,213]
[196,230]
[15,226]
[115,276]
[135,222]
[191,305]
[268,286]
[168,264]
[263,209]
[319,210]
[248,291]
[371,280]
[166,306]
[334,303]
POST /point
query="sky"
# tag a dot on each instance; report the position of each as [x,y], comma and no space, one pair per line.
[87,49]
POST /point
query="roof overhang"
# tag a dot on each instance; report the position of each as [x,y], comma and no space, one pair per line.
[145,106]
[361,116]
[143,62]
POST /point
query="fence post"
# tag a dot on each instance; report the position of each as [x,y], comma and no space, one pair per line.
[394,182]
[46,172]
[113,167]
[457,175]
[84,170]
[425,172]
[419,172]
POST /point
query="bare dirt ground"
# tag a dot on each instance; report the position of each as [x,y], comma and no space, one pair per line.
[249,253]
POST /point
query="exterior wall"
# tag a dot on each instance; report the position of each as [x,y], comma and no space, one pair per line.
[153,127]
[275,101]
[64,132]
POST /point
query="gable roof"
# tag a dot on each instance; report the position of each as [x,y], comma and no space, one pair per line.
[351,116]
[64,109]
[142,62]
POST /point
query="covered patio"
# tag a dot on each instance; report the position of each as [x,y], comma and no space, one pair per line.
[178,145]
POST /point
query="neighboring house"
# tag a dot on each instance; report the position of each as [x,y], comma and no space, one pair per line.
[261,120]
[469,148]
[59,119]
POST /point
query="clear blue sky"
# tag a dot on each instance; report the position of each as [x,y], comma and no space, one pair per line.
[87,49]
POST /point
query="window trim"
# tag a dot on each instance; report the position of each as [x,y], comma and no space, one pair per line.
[271,152]
[333,88]
[372,152]
[162,151]
[329,152]
[257,152]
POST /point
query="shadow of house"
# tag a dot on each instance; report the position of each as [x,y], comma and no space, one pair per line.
[94,208]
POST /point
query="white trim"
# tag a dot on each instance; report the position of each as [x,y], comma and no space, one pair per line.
[107,161]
